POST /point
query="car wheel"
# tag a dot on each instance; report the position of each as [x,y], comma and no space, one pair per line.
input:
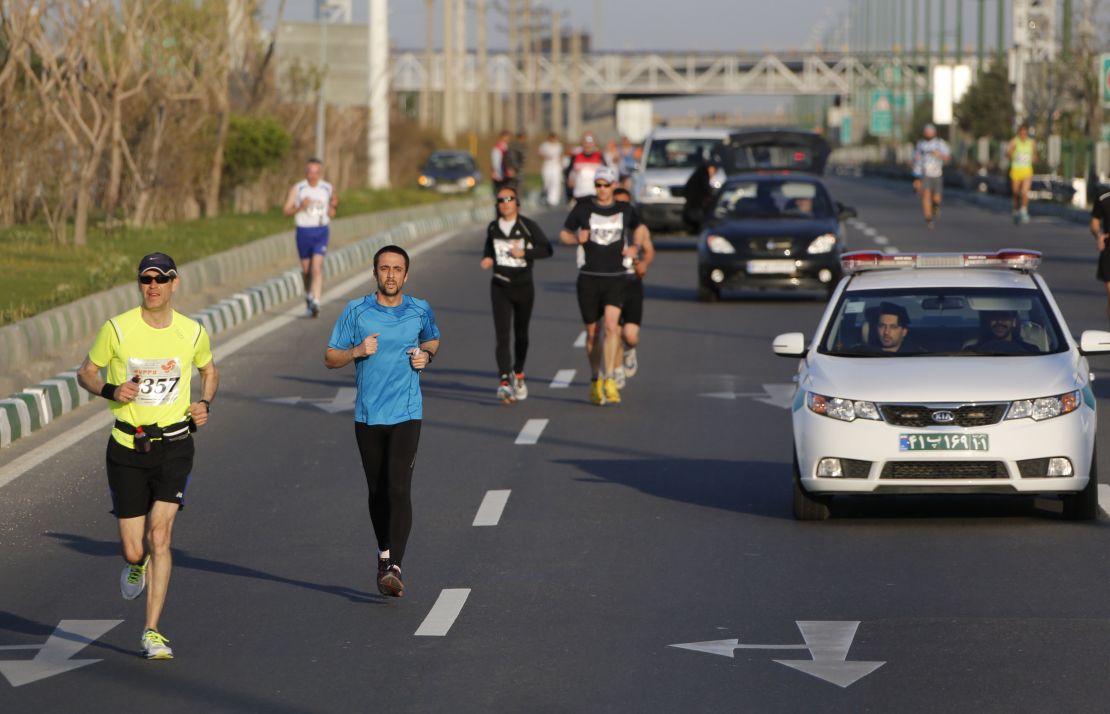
[708,293]
[807,507]
[1083,506]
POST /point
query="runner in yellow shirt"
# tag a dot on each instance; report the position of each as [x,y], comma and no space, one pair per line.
[1022,153]
[149,353]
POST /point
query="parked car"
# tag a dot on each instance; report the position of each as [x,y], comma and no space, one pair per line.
[669,157]
[450,172]
[943,374]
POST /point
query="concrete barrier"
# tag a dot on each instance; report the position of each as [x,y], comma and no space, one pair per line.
[34,338]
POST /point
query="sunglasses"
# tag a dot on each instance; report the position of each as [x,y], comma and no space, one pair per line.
[506,199]
[160,279]
[602,184]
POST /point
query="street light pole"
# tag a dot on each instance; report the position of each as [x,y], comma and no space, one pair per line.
[321,100]
[377,143]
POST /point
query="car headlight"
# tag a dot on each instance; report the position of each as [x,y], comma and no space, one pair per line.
[842,409]
[471,181]
[652,190]
[719,244]
[822,244]
[1045,407]
[425,180]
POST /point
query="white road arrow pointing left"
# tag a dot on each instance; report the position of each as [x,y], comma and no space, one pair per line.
[343,401]
[68,638]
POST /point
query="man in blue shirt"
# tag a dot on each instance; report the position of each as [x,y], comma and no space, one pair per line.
[390,337]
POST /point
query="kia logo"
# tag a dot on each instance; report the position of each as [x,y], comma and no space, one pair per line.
[944,417]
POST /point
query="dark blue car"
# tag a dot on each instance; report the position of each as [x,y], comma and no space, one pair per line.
[774,225]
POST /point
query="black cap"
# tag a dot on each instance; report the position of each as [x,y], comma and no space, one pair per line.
[158,261]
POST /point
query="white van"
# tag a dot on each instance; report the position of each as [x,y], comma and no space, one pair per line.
[670,155]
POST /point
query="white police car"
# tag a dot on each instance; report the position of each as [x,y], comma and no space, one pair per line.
[943,373]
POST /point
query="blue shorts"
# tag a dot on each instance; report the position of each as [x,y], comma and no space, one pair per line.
[311,241]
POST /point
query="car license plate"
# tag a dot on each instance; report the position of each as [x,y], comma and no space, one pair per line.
[764,267]
[943,442]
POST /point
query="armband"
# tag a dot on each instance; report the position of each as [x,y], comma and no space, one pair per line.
[108,391]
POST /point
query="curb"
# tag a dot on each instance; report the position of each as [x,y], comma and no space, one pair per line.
[34,407]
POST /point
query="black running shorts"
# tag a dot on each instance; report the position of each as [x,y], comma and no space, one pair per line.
[1103,273]
[632,312]
[138,480]
[597,291]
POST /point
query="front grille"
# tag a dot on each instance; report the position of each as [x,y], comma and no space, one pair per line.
[778,246]
[921,415]
[944,469]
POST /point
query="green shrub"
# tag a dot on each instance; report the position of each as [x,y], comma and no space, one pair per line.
[253,145]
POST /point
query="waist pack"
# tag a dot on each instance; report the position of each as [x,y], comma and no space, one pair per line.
[173,432]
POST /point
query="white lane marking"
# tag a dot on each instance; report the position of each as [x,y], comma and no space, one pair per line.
[882,240]
[1104,497]
[563,378]
[444,613]
[869,231]
[493,505]
[581,340]
[890,249]
[100,420]
[55,655]
[530,434]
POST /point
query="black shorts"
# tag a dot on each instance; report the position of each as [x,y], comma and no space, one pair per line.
[1103,273]
[632,312]
[597,291]
[138,480]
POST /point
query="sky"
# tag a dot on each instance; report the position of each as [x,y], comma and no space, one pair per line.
[667,25]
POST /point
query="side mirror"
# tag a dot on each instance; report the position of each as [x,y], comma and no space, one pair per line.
[1094,342]
[845,212]
[793,344]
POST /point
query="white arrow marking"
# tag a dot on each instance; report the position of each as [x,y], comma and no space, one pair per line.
[776,395]
[828,643]
[68,638]
[343,401]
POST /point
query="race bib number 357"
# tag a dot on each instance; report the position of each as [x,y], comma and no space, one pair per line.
[158,380]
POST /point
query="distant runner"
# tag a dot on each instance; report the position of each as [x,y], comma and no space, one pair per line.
[1022,152]
[932,153]
[312,203]
[513,242]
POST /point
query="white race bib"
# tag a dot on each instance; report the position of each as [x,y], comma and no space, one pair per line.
[158,380]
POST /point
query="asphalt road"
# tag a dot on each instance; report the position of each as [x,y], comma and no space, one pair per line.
[663,520]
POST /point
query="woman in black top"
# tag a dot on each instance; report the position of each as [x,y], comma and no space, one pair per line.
[513,242]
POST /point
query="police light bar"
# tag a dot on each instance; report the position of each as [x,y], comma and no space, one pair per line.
[1011,258]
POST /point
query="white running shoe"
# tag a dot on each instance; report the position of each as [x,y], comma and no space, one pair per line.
[630,363]
[155,646]
[133,579]
[520,389]
[619,378]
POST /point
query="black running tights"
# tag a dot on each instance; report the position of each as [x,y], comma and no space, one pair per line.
[388,456]
[512,307]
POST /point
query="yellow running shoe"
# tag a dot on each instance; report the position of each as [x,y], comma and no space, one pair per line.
[612,394]
[597,392]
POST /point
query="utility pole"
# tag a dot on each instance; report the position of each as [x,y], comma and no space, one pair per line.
[482,95]
[529,79]
[377,143]
[959,31]
[459,64]
[1001,30]
[1066,31]
[429,40]
[450,129]
[943,31]
[980,36]
[514,60]
[929,40]
[556,73]
[574,101]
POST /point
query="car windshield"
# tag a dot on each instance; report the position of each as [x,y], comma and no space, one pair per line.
[446,162]
[965,322]
[773,198]
[680,153]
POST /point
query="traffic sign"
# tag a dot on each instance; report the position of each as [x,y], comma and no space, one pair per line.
[882,112]
[1104,78]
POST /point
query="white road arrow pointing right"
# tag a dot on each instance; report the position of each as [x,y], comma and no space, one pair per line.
[68,638]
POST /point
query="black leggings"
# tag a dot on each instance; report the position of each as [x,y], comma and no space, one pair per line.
[388,456]
[512,304]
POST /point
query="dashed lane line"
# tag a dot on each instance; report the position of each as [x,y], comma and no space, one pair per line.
[443,613]
[882,240]
[581,341]
[493,505]
[563,378]
[530,434]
